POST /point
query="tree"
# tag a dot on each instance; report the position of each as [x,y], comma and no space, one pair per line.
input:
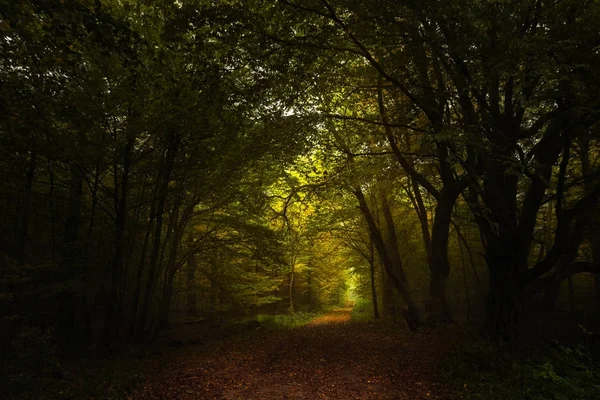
[476,92]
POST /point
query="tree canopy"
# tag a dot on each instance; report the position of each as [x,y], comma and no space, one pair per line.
[165,161]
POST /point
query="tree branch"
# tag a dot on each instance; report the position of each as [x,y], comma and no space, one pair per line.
[369,121]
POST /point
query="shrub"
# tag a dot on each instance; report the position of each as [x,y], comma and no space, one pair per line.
[29,358]
[282,321]
[362,311]
[490,371]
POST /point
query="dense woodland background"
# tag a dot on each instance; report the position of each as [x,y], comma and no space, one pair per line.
[175,161]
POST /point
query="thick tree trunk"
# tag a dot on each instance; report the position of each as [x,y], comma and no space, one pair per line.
[504,250]
[507,298]
[594,229]
[438,307]
[436,246]
[440,266]
[506,305]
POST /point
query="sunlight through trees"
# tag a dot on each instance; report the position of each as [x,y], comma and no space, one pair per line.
[173,163]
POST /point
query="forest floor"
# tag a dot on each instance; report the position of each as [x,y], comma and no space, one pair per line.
[330,358]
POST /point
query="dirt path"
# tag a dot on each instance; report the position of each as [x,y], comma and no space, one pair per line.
[327,359]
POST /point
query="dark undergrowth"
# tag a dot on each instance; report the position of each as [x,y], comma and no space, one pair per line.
[490,371]
[283,321]
[33,367]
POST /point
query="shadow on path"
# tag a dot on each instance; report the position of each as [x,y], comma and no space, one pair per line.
[329,358]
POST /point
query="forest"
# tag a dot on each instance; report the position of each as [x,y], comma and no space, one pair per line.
[300,199]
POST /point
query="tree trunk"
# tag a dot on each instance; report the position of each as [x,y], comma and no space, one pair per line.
[309,284]
[563,269]
[67,317]
[172,266]
[465,281]
[92,221]
[167,167]
[462,241]
[165,301]
[114,307]
[52,207]
[440,266]
[506,305]
[596,261]
[373,282]
[555,282]
[421,211]
[451,188]
[392,239]
[191,301]
[24,213]
[571,294]
[507,297]
[594,229]
[291,286]
[411,315]
[135,300]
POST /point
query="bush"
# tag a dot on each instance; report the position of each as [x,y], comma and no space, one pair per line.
[31,357]
[362,311]
[282,321]
[491,371]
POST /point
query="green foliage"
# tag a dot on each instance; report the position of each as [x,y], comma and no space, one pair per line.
[490,371]
[286,321]
[210,148]
[254,290]
[362,310]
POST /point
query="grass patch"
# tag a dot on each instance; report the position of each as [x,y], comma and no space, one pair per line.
[362,311]
[492,371]
[285,321]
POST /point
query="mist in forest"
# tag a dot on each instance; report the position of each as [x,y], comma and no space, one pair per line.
[299,199]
